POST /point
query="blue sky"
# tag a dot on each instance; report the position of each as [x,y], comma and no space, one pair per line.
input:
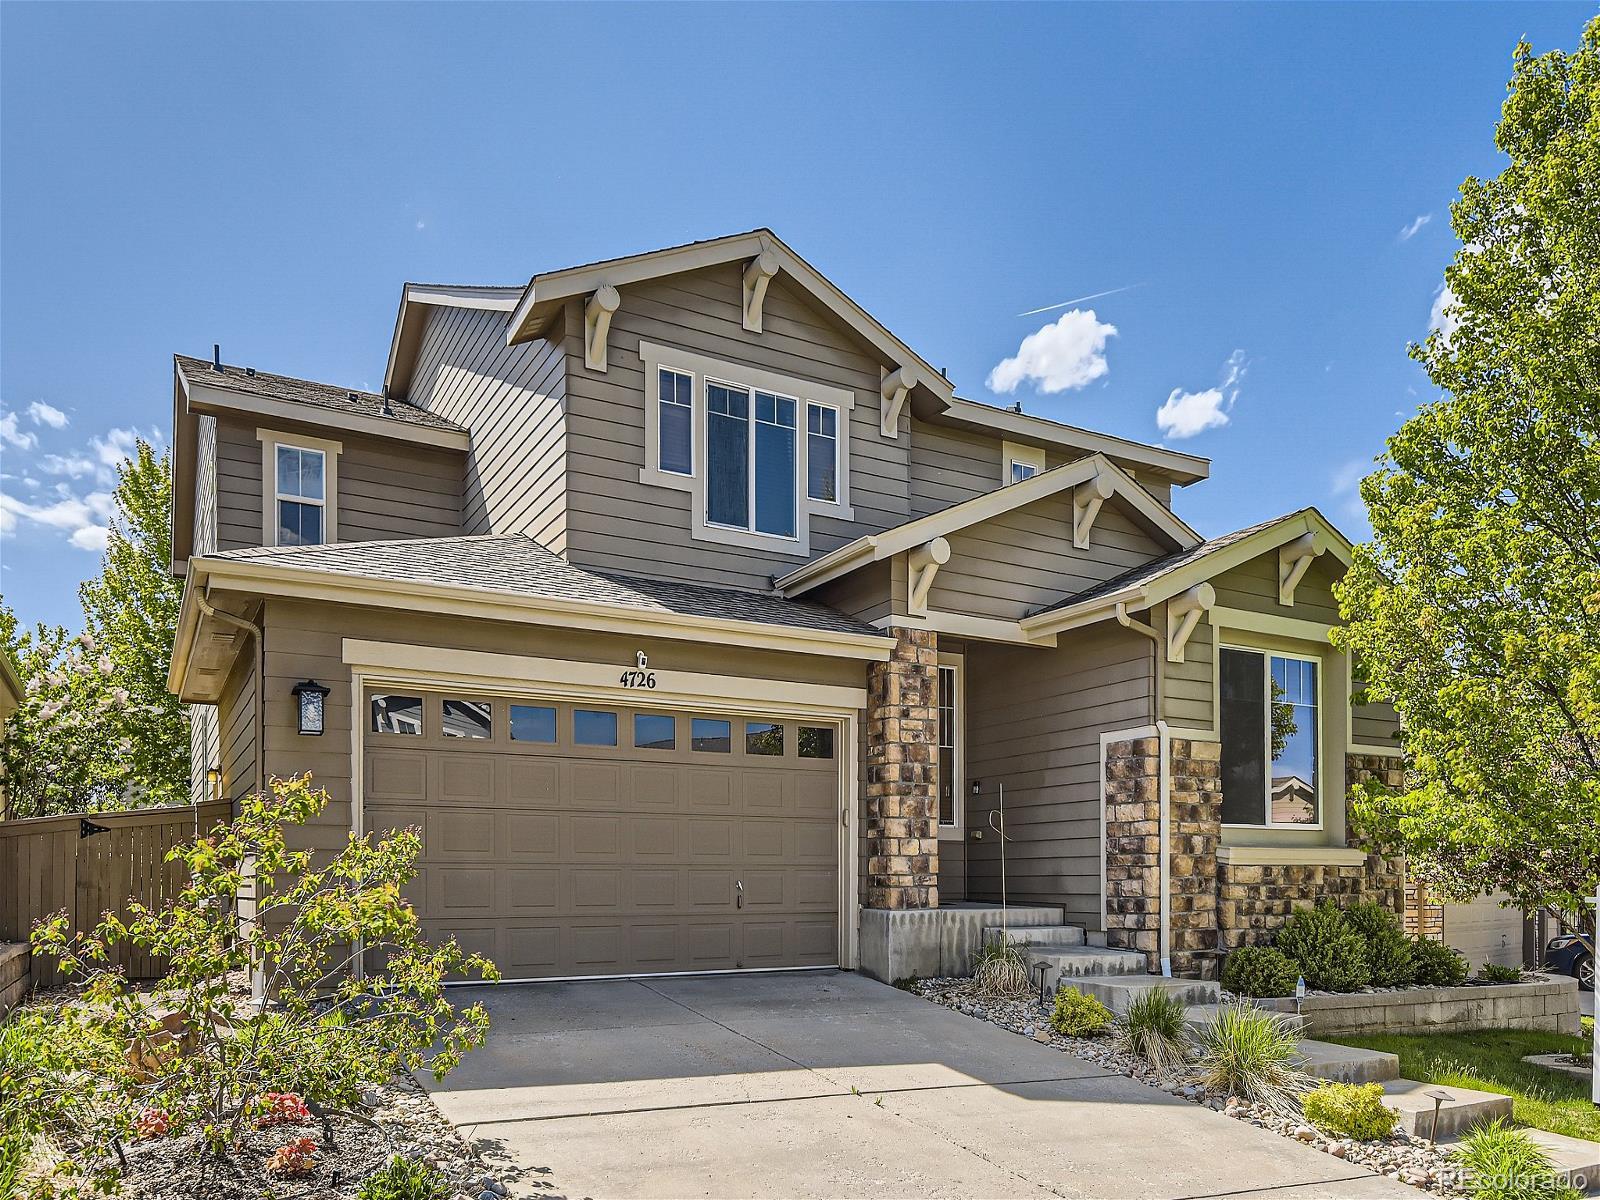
[1261,189]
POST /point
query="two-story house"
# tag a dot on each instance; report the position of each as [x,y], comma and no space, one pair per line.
[700,625]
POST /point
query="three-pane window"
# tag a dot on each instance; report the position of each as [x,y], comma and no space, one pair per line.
[301,497]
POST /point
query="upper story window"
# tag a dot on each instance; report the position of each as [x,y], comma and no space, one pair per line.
[1019,462]
[1022,470]
[301,495]
[761,453]
[1270,737]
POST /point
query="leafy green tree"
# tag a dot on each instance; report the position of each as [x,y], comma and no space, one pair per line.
[1476,607]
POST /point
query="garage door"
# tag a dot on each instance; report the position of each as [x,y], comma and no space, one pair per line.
[577,839]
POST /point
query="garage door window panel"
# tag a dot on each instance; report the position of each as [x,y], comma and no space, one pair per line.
[816,741]
[711,736]
[763,738]
[654,731]
[471,719]
[533,723]
[594,727]
[397,714]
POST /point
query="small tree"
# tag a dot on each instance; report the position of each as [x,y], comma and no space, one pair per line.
[1476,607]
[202,1062]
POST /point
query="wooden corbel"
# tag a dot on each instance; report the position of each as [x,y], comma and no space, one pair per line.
[1293,560]
[896,387]
[761,269]
[1087,498]
[597,324]
[1183,614]
[924,563]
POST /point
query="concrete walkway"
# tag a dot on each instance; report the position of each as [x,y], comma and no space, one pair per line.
[828,1084]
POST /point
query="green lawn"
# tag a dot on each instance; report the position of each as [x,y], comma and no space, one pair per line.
[1491,1061]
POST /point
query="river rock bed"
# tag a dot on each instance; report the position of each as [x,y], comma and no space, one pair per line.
[1399,1156]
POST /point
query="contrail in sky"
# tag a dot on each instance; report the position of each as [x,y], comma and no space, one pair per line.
[1033,312]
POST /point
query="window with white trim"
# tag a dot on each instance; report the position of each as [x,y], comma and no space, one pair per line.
[949,721]
[1022,470]
[1019,462]
[1270,729]
[301,495]
[822,452]
[676,421]
[750,459]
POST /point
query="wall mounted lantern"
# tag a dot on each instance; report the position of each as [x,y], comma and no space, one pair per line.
[213,783]
[310,695]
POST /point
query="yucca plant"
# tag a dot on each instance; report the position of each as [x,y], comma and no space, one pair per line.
[1000,969]
[1250,1053]
[1504,1163]
[1153,1029]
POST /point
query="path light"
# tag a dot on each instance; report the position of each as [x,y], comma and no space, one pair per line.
[1438,1096]
[310,695]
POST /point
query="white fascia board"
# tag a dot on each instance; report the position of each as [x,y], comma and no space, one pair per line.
[206,399]
[492,604]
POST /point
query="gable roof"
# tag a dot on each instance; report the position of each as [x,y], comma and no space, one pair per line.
[1162,578]
[875,547]
[415,300]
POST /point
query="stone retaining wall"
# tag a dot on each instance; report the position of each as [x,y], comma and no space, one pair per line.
[1549,1004]
[16,976]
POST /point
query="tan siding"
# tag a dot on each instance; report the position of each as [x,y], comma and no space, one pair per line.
[616,522]
[1254,586]
[236,712]
[1187,686]
[205,749]
[205,487]
[512,398]
[865,594]
[950,465]
[384,490]
[1024,559]
[952,869]
[1034,719]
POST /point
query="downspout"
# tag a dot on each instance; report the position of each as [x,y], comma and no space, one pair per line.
[1163,794]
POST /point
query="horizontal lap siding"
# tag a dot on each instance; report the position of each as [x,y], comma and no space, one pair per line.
[1188,685]
[238,485]
[1034,719]
[617,523]
[236,712]
[1024,559]
[512,398]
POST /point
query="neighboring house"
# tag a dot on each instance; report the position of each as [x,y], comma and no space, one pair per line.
[690,614]
[11,694]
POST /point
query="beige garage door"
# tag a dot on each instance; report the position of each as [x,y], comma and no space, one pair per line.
[586,839]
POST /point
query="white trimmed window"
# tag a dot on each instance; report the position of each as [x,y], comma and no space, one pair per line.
[1019,462]
[822,453]
[1271,738]
[299,489]
[951,720]
[675,415]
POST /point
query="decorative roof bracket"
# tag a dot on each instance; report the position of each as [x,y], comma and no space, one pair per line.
[896,387]
[756,276]
[1294,559]
[597,324]
[924,563]
[1087,499]
[1183,614]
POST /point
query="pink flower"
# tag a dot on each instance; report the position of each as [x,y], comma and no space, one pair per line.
[152,1123]
[282,1108]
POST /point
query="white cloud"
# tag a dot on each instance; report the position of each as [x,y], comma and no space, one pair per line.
[90,537]
[1069,353]
[1411,230]
[72,464]
[19,438]
[1443,317]
[84,519]
[1345,485]
[1185,414]
[45,414]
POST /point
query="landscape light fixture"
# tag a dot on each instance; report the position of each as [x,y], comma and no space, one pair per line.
[310,695]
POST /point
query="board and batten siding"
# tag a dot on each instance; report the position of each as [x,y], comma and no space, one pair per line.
[615,522]
[1023,560]
[1034,720]
[384,490]
[512,398]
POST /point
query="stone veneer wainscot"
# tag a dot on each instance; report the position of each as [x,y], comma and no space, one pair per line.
[900,770]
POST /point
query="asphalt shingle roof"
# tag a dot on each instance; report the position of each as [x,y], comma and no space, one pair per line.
[517,565]
[1154,569]
[305,391]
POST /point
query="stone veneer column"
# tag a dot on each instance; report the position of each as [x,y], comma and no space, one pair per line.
[1195,803]
[1133,841]
[900,769]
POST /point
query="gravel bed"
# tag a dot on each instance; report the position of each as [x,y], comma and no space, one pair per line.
[1399,1156]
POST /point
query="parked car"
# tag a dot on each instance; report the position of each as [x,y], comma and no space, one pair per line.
[1572,954]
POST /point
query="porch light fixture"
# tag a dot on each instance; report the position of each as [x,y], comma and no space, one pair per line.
[310,695]
[213,782]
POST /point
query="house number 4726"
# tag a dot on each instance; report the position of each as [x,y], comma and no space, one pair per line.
[641,676]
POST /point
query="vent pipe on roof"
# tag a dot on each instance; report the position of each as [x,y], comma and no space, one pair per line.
[1017,407]
[250,371]
[216,356]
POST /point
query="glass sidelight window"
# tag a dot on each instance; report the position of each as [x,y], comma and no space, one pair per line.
[949,736]
[1270,737]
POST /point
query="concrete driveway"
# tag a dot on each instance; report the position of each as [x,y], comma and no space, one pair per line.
[829,1084]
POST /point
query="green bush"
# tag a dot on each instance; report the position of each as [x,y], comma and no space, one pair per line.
[1503,1163]
[402,1180]
[1388,948]
[1153,1029]
[1077,1015]
[1259,971]
[1495,973]
[1352,1110]
[1331,956]
[1436,965]
[1245,1051]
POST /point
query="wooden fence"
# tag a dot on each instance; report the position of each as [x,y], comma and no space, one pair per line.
[91,863]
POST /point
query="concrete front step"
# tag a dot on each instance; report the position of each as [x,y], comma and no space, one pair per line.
[1464,1109]
[1116,992]
[1066,965]
[1348,1064]
[1575,1159]
[1037,935]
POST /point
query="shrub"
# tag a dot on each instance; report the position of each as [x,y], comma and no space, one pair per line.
[1000,968]
[1331,956]
[1436,965]
[293,1159]
[1247,1052]
[1259,971]
[1078,1015]
[402,1180]
[1153,1029]
[1503,1163]
[1352,1110]
[1388,948]
[1495,973]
